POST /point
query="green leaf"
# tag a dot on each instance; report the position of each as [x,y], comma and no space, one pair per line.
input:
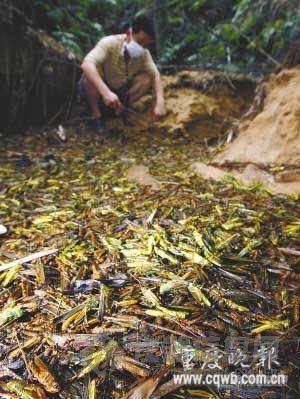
[57,15]
[176,21]
[198,4]
[229,33]
[267,34]
[97,27]
[279,24]
[249,23]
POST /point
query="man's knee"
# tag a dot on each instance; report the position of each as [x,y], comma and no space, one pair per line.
[144,82]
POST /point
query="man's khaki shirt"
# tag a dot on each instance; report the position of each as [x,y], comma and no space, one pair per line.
[108,56]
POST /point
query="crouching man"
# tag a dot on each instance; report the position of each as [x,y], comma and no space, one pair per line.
[119,71]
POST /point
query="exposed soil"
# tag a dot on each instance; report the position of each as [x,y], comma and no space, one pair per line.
[273,136]
[199,105]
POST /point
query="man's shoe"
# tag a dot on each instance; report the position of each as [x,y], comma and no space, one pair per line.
[125,116]
[123,140]
[99,125]
[24,161]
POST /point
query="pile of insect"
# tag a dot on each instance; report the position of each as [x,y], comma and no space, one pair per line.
[115,289]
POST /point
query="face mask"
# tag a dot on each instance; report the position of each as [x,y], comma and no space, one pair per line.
[134,49]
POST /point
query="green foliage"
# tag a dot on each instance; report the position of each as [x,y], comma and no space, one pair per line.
[76,24]
[232,34]
[69,40]
[229,33]
[197,5]
[242,32]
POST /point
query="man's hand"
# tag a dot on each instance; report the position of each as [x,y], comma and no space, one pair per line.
[159,111]
[112,100]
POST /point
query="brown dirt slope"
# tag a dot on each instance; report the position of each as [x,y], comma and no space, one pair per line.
[273,136]
[199,104]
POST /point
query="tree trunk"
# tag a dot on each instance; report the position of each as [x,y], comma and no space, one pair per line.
[37,75]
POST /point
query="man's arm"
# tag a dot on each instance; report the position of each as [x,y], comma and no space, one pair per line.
[151,69]
[159,108]
[90,71]
[96,57]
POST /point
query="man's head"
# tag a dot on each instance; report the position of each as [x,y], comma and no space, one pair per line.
[143,31]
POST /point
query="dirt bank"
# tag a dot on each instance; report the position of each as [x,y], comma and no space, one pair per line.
[204,104]
[199,104]
[273,136]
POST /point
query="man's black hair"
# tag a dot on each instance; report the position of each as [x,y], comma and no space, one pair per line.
[145,24]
